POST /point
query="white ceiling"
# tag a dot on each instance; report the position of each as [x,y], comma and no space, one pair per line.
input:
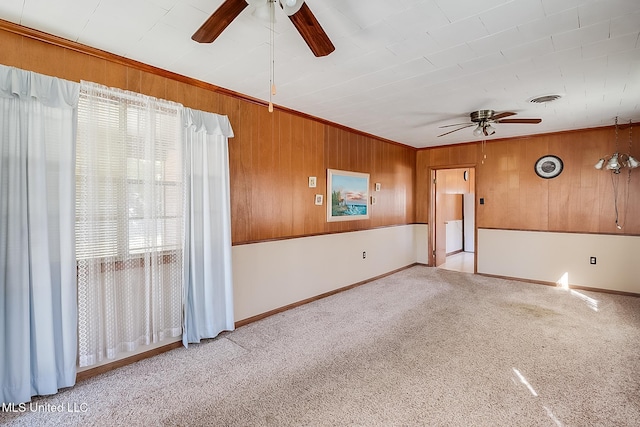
[401,68]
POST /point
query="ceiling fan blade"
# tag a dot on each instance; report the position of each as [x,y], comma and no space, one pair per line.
[311,31]
[521,121]
[502,115]
[456,130]
[219,20]
[457,124]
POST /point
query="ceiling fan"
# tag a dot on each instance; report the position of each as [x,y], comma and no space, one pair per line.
[297,10]
[483,119]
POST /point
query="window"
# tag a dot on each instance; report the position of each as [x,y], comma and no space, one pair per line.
[135,169]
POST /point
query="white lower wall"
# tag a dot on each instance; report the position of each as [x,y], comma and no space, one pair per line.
[469,215]
[270,275]
[454,236]
[547,257]
[421,242]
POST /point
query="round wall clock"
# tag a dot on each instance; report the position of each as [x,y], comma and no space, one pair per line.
[548,166]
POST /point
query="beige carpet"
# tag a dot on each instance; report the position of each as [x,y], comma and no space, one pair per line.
[420,347]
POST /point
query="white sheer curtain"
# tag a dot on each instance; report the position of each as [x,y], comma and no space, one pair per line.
[37,265]
[129,229]
[207,260]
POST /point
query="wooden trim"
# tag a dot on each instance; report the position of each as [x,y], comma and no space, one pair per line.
[553,284]
[454,252]
[454,166]
[282,309]
[277,239]
[605,291]
[111,57]
[561,132]
[561,232]
[431,171]
[88,373]
[136,263]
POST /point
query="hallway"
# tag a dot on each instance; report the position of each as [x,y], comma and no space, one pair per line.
[462,262]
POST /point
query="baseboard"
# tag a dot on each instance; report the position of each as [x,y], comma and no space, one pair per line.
[92,372]
[454,252]
[261,316]
[577,287]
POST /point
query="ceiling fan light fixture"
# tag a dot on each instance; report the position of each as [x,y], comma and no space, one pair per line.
[599,165]
[489,130]
[483,121]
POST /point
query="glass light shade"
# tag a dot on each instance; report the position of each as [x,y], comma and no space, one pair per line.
[600,164]
[477,131]
[613,163]
[291,6]
[489,130]
[632,163]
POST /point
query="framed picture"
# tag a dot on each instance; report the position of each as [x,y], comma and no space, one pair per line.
[318,199]
[347,195]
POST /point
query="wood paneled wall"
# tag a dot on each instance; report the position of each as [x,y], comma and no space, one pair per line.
[451,205]
[579,200]
[451,181]
[271,155]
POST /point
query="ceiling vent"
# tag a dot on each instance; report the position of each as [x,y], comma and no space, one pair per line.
[545,98]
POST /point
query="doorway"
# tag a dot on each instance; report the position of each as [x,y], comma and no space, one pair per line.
[453,212]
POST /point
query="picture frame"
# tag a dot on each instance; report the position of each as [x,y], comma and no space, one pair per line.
[347,195]
[318,199]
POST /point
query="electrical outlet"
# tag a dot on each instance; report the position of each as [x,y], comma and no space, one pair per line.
[364,255]
[592,260]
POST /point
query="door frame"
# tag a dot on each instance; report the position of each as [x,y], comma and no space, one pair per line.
[432,211]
